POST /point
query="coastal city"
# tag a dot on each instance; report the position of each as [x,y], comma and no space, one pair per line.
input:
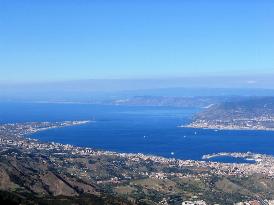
[129,170]
[256,123]
[13,135]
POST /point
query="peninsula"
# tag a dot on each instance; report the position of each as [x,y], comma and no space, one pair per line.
[256,113]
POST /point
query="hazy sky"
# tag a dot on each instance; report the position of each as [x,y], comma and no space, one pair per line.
[85,39]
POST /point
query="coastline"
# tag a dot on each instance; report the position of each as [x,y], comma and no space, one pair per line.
[21,140]
[115,170]
[148,156]
[64,124]
[261,165]
[249,156]
[225,128]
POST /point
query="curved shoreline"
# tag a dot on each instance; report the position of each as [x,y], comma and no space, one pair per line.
[247,156]
[16,139]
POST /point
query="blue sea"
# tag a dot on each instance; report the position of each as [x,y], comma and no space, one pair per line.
[148,130]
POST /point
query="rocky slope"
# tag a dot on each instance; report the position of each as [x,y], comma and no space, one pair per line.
[29,179]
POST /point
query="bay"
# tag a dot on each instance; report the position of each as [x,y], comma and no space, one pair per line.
[130,129]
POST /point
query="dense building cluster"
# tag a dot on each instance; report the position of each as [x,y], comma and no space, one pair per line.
[264,122]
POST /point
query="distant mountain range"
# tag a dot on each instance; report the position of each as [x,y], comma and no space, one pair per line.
[86,93]
[184,102]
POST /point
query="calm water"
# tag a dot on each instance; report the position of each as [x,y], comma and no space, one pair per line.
[149,130]
[229,159]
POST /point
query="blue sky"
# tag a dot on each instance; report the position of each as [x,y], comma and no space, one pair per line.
[51,40]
